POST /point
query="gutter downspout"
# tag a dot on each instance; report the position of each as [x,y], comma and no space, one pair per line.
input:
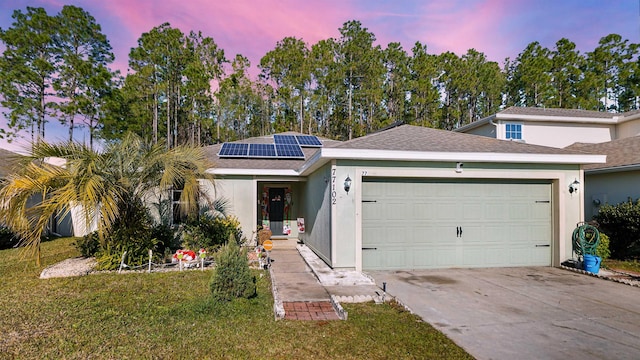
[494,124]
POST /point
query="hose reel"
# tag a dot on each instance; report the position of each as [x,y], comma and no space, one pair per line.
[585,239]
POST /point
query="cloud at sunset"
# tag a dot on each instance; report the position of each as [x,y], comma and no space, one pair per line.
[498,28]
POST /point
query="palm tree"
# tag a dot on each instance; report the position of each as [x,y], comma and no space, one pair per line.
[106,185]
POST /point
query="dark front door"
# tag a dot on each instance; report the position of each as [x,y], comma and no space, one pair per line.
[276,210]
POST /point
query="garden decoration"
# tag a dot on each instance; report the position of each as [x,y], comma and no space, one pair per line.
[288,205]
[264,259]
[202,254]
[122,264]
[183,255]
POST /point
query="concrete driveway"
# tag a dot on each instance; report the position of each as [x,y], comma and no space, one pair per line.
[524,313]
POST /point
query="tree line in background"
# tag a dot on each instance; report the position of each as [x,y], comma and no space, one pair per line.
[181,89]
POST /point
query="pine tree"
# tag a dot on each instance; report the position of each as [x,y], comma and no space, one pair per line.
[232,277]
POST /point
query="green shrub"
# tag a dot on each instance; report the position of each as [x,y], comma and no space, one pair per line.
[159,239]
[88,245]
[603,247]
[131,232]
[210,233]
[109,257]
[622,223]
[165,238]
[232,277]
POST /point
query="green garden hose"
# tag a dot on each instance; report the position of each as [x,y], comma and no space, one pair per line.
[585,239]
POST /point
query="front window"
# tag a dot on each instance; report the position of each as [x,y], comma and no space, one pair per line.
[176,194]
[513,131]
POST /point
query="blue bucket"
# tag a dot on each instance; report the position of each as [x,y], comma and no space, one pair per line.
[591,263]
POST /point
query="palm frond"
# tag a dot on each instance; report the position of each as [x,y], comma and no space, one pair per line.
[98,185]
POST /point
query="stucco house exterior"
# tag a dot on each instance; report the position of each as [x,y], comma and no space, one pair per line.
[611,134]
[556,127]
[615,181]
[411,198]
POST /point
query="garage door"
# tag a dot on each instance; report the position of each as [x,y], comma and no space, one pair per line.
[422,224]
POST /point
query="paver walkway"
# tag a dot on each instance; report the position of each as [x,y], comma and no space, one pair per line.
[297,288]
[317,310]
[306,288]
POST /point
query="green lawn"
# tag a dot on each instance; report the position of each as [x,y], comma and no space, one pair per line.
[171,316]
[622,265]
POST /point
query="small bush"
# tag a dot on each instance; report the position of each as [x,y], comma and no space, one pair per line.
[165,238]
[603,247]
[131,232]
[622,223]
[232,277]
[210,233]
[88,245]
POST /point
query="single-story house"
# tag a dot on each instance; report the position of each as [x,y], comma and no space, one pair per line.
[58,225]
[408,197]
[615,181]
[556,127]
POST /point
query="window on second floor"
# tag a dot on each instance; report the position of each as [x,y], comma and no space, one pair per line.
[513,131]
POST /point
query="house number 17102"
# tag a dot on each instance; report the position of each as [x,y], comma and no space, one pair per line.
[334,194]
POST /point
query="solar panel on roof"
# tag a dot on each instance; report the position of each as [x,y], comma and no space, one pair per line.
[308,141]
[233,150]
[289,151]
[285,139]
[262,150]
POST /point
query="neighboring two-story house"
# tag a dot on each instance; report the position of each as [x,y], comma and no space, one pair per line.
[616,135]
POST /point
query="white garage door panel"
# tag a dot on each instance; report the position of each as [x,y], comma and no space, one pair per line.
[411,224]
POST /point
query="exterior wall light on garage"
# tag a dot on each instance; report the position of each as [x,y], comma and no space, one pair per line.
[459,166]
[347,184]
[574,186]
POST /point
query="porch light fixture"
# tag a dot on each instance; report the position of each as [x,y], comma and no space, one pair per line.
[347,184]
[574,186]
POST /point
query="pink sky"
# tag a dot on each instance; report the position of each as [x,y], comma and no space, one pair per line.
[498,28]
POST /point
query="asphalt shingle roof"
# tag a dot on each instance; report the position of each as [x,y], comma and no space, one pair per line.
[417,138]
[400,138]
[536,111]
[7,160]
[621,152]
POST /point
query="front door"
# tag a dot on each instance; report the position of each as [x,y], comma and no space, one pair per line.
[276,210]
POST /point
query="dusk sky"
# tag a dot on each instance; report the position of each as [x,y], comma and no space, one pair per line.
[498,28]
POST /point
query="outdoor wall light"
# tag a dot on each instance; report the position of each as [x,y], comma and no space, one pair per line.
[459,166]
[574,186]
[347,184]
